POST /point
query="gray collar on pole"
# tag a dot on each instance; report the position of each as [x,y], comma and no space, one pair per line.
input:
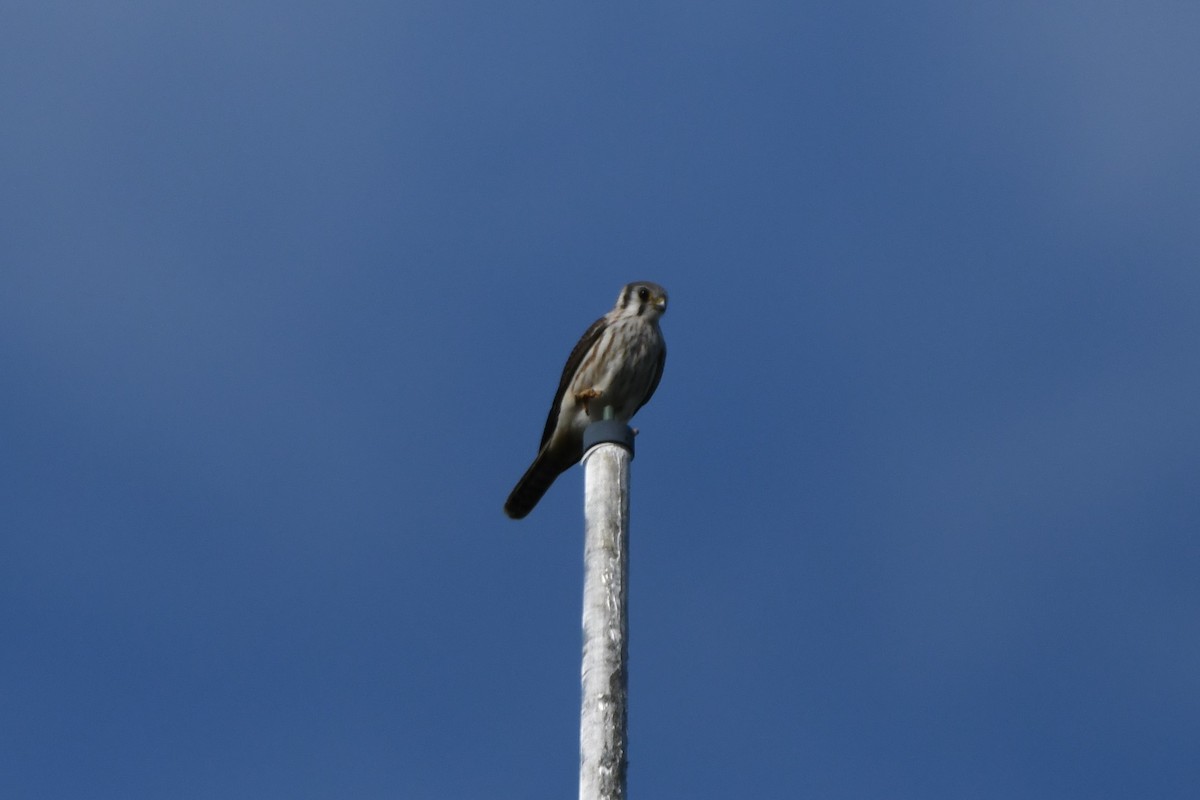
[608,430]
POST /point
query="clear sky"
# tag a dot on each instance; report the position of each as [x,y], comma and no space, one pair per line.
[286,288]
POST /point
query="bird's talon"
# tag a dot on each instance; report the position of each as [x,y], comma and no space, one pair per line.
[585,396]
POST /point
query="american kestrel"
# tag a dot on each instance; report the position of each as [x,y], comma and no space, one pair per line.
[616,364]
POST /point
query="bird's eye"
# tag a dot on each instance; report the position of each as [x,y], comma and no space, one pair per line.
[643,293]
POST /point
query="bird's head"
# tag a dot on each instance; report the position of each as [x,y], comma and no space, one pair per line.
[642,298]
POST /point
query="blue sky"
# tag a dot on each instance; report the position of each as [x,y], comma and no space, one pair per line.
[287,287]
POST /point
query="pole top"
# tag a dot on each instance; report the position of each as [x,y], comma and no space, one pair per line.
[608,431]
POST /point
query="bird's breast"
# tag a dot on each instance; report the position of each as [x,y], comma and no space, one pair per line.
[621,366]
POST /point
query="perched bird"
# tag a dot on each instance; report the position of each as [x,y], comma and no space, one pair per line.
[616,364]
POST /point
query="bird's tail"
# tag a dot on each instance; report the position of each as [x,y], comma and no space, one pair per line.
[533,485]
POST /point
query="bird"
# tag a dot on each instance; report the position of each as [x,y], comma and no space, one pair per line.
[617,364]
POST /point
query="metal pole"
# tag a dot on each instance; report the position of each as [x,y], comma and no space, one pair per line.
[602,731]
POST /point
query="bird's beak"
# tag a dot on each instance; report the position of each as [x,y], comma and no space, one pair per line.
[660,303]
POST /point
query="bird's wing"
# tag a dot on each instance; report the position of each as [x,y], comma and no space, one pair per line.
[658,371]
[573,361]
